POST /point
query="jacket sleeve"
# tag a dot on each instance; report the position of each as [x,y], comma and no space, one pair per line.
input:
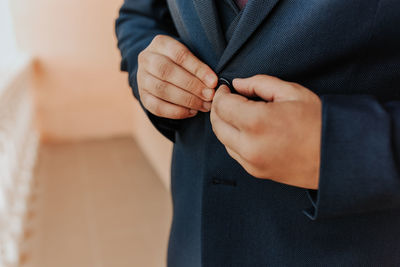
[360,147]
[138,23]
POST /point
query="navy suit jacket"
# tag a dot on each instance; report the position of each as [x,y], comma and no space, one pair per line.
[347,52]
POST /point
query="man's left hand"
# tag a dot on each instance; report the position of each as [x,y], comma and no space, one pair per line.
[278,138]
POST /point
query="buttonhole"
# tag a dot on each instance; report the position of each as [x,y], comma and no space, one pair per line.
[218,181]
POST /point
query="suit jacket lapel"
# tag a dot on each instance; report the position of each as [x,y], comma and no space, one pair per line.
[208,16]
[253,14]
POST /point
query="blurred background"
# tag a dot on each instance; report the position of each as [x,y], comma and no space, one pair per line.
[83,175]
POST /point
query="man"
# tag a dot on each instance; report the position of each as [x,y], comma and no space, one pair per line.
[297,164]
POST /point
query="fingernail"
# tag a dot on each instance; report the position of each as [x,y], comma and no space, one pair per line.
[210,80]
[208,93]
[207,106]
[193,112]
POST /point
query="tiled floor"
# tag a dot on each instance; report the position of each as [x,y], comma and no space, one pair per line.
[96,204]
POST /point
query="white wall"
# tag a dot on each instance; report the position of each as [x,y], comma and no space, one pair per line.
[18,140]
[7,44]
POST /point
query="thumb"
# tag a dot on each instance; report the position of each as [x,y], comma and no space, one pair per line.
[268,88]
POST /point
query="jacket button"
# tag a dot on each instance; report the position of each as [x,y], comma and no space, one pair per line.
[225,81]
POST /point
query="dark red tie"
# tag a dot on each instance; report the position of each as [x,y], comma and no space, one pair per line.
[241,3]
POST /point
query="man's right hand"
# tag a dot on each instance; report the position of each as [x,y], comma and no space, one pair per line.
[172,82]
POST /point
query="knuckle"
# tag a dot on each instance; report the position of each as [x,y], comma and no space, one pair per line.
[250,154]
[164,69]
[179,113]
[142,57]
[139,76]
[145,100]
[160,86]
[191,84]
[254,171]
[141,94]
[294,85]
[199,71]
[142,79]
[158,39]
[181,56]
[141,87]
[273,78]
[156,109]
[151,105]
[190,101]
[259,77]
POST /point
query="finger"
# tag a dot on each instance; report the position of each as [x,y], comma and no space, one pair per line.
[173,94]
[165,109]
[226,133]
[182,56]
[165,69]
[234,109]
[267,87]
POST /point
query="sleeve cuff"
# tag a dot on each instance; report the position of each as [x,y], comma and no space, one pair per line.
[358,171]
